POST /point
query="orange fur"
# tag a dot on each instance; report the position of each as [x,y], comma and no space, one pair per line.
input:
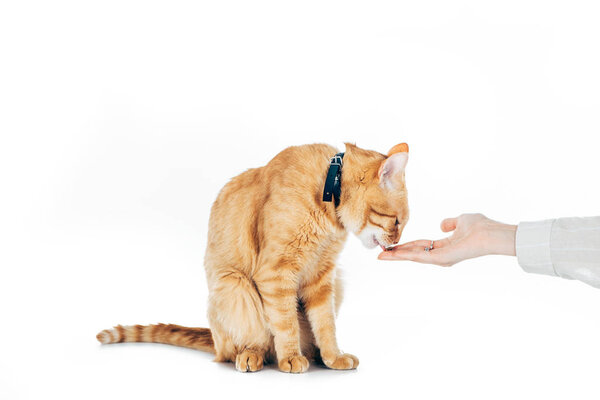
[274,290]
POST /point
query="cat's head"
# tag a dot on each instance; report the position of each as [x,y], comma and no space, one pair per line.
[374,204]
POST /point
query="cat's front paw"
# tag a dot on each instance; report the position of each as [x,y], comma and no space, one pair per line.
[342,361]
[293,364]
[249,361]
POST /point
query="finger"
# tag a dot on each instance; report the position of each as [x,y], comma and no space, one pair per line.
[417,254]
[449,224]
[412,253]
[404,253]
[437,244]
[421,242]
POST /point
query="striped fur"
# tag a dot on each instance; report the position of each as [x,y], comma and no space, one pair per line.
[193,338]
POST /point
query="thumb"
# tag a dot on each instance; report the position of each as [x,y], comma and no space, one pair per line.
[449,224]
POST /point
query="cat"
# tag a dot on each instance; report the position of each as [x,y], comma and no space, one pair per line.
[270,258]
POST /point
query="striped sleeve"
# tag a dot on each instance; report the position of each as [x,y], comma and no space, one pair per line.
[565,247]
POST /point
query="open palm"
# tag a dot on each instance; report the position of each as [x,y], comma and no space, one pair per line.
[473,235]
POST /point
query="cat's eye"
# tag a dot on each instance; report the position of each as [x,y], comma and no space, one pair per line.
[396,222]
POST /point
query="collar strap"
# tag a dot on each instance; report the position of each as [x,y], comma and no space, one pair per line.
[333,183]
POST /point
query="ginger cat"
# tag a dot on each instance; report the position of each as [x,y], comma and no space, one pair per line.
[270,259]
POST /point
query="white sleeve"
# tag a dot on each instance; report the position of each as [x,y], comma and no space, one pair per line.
[565,247]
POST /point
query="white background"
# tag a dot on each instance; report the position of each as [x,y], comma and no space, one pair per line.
[121,120]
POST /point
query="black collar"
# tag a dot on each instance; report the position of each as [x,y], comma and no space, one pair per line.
[333,183]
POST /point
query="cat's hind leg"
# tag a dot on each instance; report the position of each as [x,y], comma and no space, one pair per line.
[238,323]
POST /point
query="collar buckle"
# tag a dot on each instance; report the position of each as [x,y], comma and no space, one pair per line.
[336,160]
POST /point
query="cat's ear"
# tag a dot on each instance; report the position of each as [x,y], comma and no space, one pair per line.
[399,148]
[391,170]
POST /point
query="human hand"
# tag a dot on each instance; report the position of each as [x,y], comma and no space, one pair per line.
[474,235]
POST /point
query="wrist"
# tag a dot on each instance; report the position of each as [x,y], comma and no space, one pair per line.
[501,239]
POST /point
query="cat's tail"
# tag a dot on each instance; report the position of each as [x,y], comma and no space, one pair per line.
[194,338]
